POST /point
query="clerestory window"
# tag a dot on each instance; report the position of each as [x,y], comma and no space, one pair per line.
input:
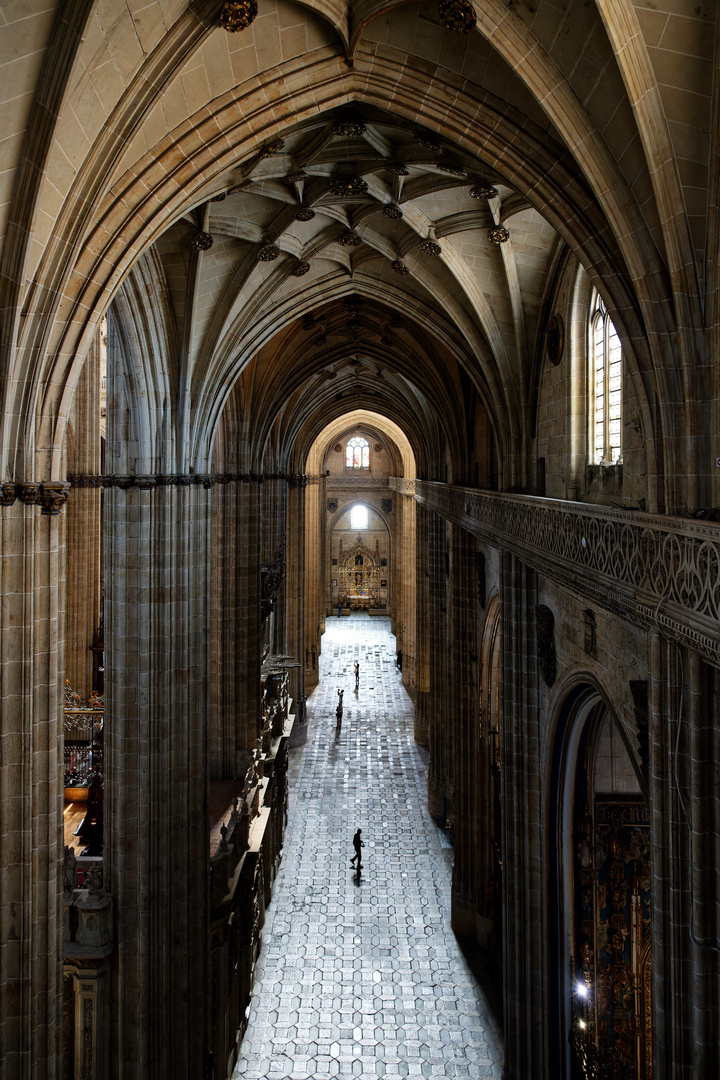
[605,386]
[357,453]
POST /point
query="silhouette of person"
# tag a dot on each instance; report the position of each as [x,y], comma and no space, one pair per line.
[357,674]
[357,844]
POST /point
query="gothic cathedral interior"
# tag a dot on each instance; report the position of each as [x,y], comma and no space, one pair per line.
[355,310]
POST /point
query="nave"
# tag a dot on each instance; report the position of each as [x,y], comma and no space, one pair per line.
[364,979]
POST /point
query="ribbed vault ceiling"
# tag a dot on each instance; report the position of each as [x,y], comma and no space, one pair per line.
[361,244]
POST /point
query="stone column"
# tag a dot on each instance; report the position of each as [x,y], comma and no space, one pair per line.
[295,582]
[274,520]
[422,627]
[156,831]
[407,509]
[442,697]
[524,940]
[84,529]
[32,619]
[316,571]
[464,734]
[685,926]
[235,622]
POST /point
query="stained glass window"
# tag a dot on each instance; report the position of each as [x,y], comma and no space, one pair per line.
[357,453]
[605,386]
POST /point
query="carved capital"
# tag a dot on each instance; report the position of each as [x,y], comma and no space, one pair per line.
[206,480]
[53,497]
[8,494]
[28,493]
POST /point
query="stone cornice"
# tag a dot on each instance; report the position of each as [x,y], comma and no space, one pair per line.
[660,572]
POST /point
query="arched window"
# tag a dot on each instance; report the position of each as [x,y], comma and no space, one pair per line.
[357,454]
[359,517]
[605,387]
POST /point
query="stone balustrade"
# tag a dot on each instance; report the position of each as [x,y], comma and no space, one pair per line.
[658,571]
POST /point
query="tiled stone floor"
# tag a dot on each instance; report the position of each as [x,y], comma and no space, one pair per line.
[363,979]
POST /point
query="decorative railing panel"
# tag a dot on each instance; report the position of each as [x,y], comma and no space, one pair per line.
[661,571]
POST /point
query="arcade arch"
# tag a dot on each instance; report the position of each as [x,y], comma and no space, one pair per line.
[603,890]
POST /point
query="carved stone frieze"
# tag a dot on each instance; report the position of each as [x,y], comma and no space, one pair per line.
[357,481]
[657,571]
[402,485]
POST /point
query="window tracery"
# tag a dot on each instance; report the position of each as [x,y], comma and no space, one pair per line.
[605,387]
[357,453]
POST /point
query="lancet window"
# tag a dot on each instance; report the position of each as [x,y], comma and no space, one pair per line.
[605,384]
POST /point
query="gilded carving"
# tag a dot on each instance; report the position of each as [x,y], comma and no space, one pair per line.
[498,234]
[268,253]
[457,15]
[483,191]
[348,187]
[348,128]
[237,14]
[203,241]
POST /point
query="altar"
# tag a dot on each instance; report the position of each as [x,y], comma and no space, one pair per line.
[358,602]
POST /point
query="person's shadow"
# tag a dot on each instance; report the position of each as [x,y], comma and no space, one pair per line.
[357,874]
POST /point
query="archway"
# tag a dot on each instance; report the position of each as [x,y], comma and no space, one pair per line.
[602,870]
[359,561]
[385,581]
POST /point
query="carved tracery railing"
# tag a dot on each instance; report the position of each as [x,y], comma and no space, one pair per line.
[659,571]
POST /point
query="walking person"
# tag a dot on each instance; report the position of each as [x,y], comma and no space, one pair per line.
[357,674]
[357,844]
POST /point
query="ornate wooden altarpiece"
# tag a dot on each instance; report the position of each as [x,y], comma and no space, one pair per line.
[612,1022]
[359,576]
